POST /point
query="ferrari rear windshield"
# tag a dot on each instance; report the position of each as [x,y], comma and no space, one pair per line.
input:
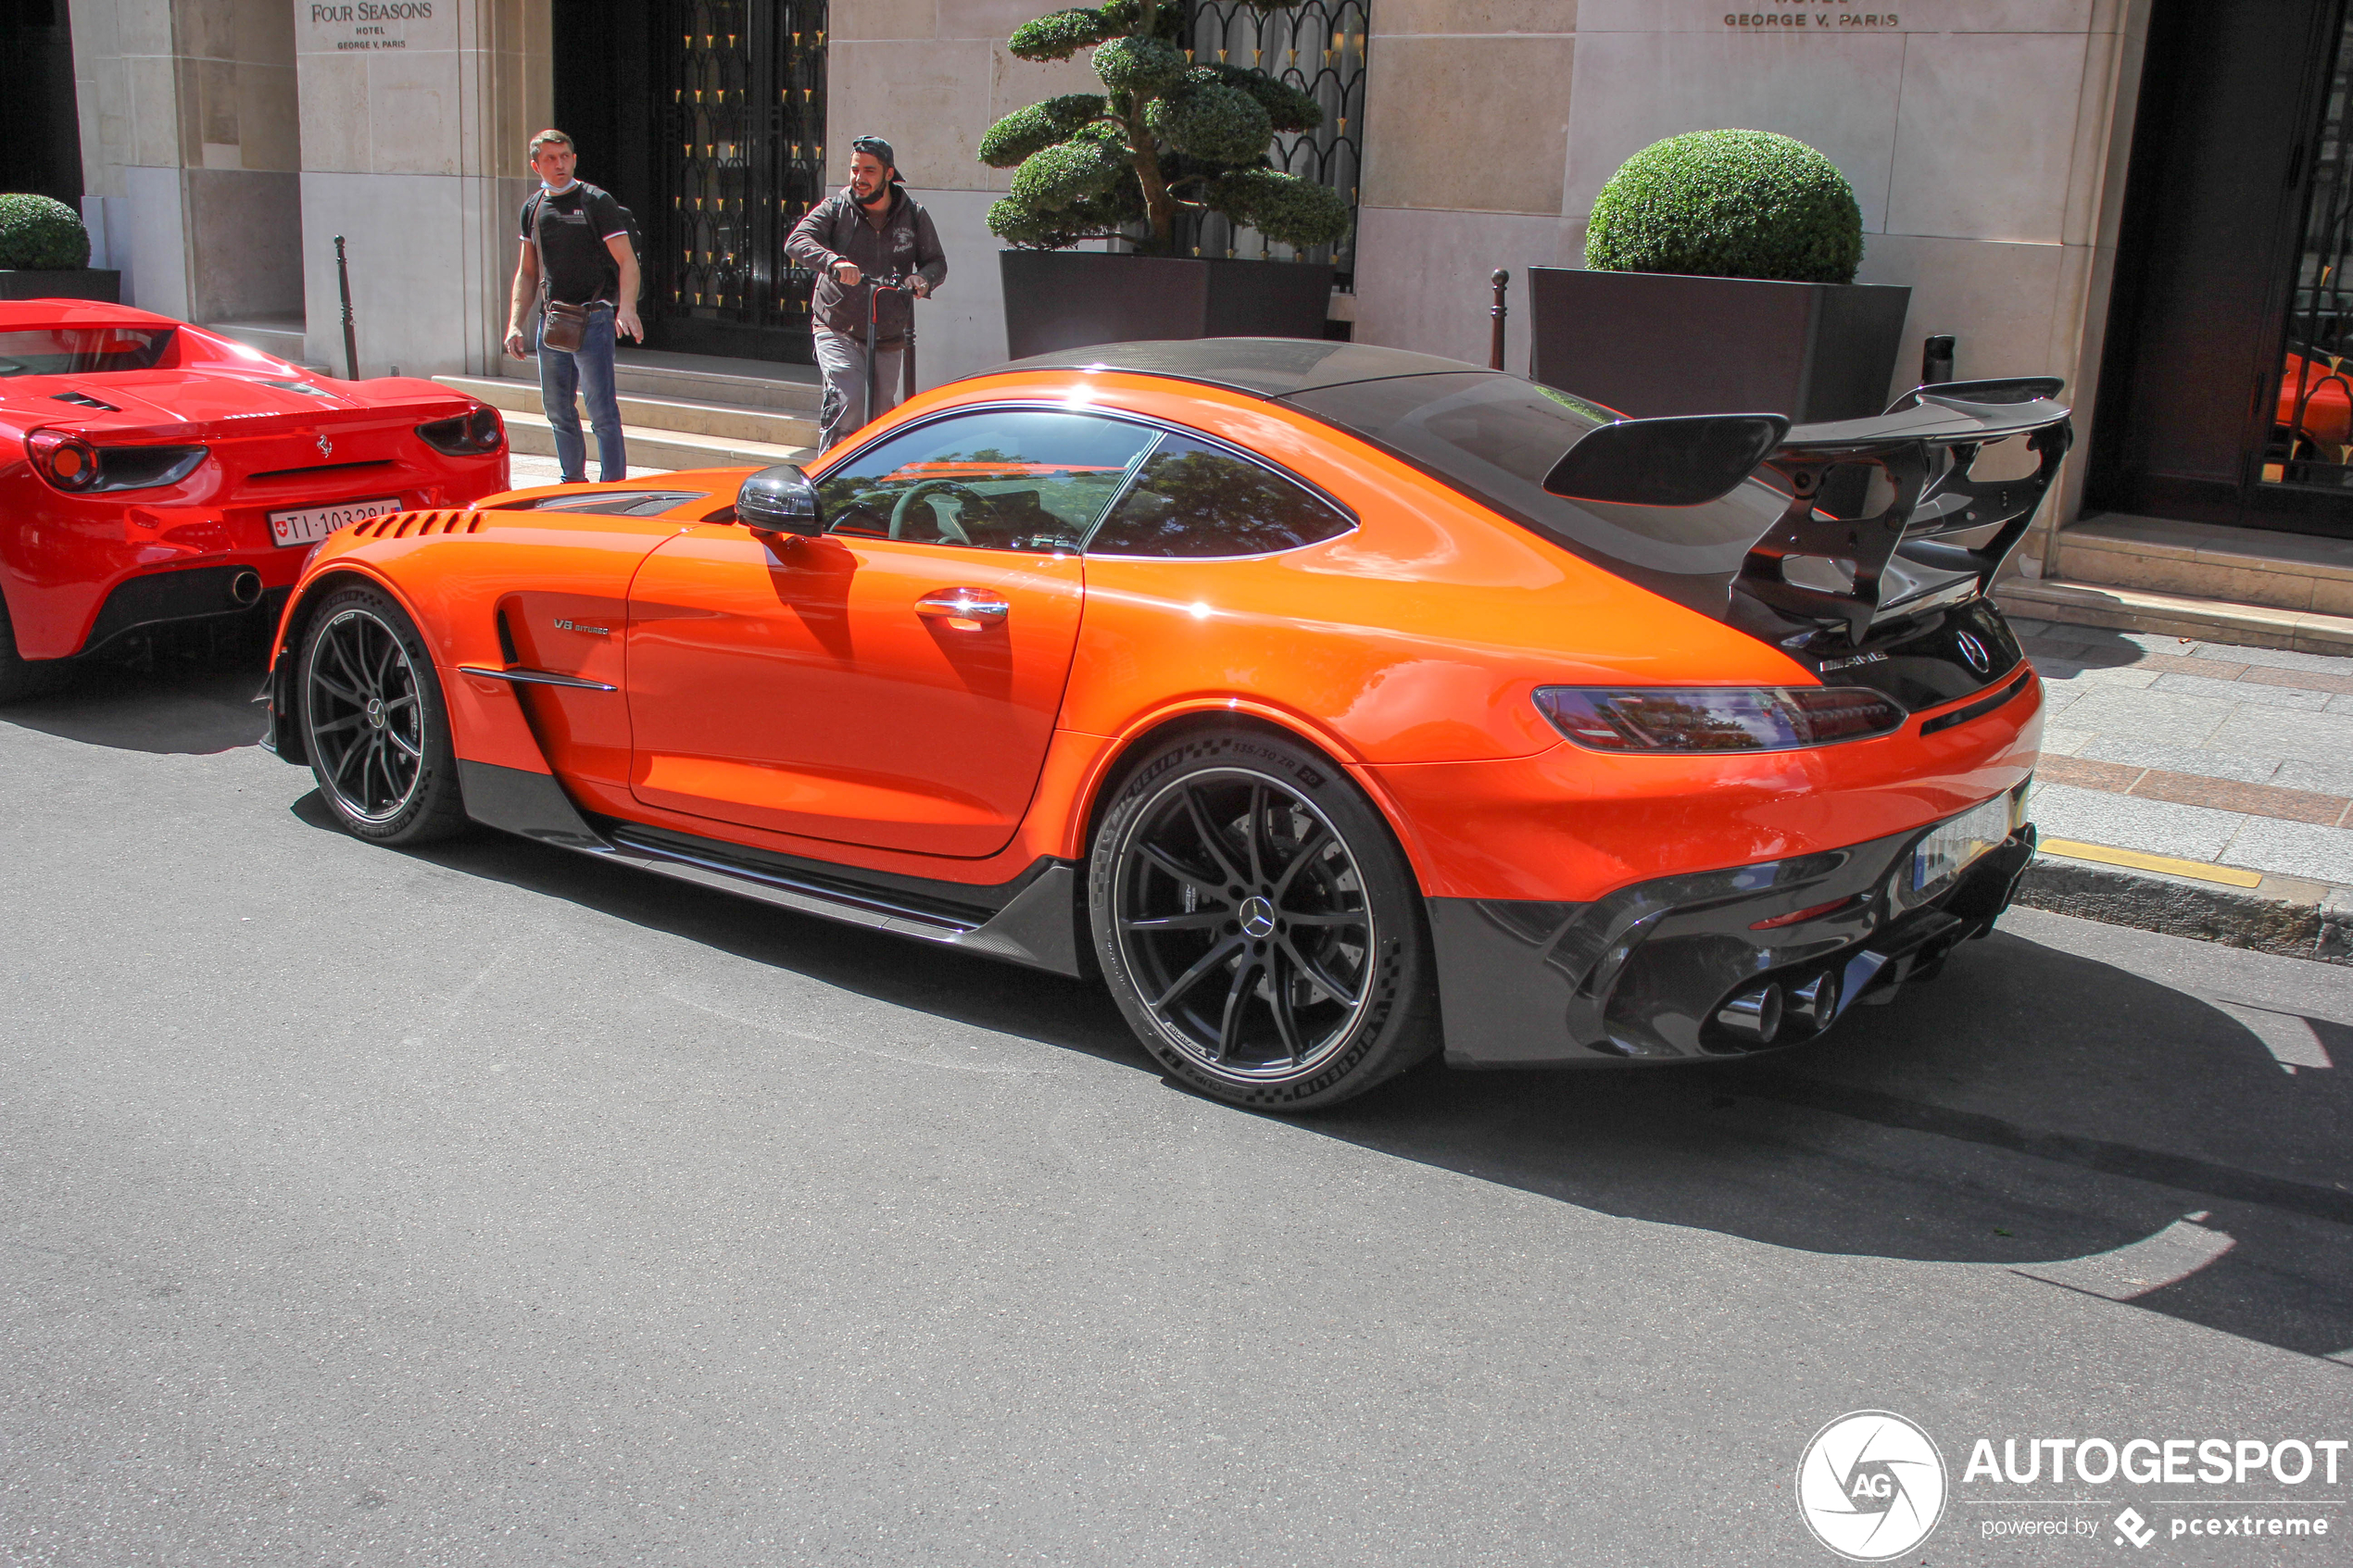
[59,351]
[1494,437]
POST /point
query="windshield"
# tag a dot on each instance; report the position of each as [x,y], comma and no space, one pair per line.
[56,351]
[1494,437]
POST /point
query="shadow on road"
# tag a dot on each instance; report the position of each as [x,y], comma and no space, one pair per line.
[2027,1107]
[184,699]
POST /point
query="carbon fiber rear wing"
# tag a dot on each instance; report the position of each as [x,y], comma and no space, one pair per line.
[1924,445]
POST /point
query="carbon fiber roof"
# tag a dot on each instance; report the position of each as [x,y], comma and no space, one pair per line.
[1266,367]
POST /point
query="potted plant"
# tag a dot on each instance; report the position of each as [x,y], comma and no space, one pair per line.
[45,253]
[1164,138]
[1721,278]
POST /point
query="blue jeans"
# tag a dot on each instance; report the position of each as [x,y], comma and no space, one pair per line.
[585,371]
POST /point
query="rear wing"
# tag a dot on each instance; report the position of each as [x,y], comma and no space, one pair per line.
[1925,445]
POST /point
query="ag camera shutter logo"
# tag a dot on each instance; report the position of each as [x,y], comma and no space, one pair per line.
[1872,1486]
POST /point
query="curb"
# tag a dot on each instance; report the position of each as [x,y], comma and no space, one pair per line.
[2281,914]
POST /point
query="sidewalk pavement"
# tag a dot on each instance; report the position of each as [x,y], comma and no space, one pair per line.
[2195,788]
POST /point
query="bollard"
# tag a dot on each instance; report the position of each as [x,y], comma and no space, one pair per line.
[1936,359]
[350,339]
[1502,279]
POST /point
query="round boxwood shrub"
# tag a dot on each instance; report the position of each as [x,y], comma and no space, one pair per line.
[38,234]
[1728,204]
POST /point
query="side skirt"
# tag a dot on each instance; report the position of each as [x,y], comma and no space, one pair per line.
[1036,927]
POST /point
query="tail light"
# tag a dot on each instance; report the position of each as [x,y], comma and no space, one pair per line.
[66,462]
[1716,718]
[72,464]
[465,435]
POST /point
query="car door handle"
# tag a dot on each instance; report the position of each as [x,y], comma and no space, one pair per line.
[964,610]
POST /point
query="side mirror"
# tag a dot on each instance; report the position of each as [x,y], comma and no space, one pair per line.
[1673,462]
[780,500]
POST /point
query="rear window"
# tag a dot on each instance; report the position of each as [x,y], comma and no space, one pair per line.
[56,351]
[1494,438]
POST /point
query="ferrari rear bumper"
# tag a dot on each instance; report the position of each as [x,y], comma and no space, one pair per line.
[201,593]
[1710,964]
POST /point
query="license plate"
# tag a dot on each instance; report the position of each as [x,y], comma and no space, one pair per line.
[310,524]
[1950,850]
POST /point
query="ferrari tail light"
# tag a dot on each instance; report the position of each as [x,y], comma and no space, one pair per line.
[72,464]
[65,461]
[465,435]
[1716,718]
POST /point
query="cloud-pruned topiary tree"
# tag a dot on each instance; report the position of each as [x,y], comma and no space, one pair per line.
[1728,204]
[1164,136]
[41,235]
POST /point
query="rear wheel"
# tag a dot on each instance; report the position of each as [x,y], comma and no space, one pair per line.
[373,718]
[1259,925]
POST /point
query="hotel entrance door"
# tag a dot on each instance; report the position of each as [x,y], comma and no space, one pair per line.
[2226,388]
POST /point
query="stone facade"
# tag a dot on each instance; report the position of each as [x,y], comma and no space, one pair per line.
[415,136]
[190,154]
[1985,139]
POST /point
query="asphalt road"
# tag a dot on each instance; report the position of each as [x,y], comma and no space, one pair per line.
[495,1206]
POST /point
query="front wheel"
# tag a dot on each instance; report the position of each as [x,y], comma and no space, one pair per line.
[373,718]
[1259,925]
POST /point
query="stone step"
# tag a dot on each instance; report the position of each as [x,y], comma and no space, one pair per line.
[719,421]
[693,378]
[529,432]
[2139,609]
[282,339]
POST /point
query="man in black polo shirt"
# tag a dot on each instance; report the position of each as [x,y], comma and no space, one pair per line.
[575,240]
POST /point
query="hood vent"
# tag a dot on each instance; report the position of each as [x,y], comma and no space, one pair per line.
[83,399]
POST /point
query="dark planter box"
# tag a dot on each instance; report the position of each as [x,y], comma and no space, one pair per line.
[1653,344]
[1075,299]
[80,283]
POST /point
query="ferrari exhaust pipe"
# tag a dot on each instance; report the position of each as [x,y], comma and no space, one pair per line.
[245,589]
[1754,1016]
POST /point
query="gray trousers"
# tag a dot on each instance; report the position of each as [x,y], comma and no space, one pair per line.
[841,359]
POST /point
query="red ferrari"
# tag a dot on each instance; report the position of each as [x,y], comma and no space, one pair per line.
[151,471]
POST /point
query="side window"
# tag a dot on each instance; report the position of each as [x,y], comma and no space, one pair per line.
[999,479]
[1195,499]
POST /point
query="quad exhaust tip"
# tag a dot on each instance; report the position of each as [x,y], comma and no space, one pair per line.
[245,589]
[1816,1002]
[1754,1016]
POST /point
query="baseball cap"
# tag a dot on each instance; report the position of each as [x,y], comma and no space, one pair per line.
[877,147]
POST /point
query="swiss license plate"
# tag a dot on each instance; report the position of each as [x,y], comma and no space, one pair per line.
[310,524]
[1950,850]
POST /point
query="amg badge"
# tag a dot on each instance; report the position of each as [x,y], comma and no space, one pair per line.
[1829,664]
[583,627]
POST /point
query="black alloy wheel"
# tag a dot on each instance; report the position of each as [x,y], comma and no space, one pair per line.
[373,722]
[1259,925]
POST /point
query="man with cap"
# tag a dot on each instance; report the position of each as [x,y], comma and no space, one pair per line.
[870,230]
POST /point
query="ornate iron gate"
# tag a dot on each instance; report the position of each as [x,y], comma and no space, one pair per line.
[741,90]
[1318,47]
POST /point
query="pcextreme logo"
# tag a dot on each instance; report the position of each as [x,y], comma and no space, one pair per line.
[1872,1486]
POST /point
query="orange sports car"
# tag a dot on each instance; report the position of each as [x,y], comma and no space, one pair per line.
[1330,702]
